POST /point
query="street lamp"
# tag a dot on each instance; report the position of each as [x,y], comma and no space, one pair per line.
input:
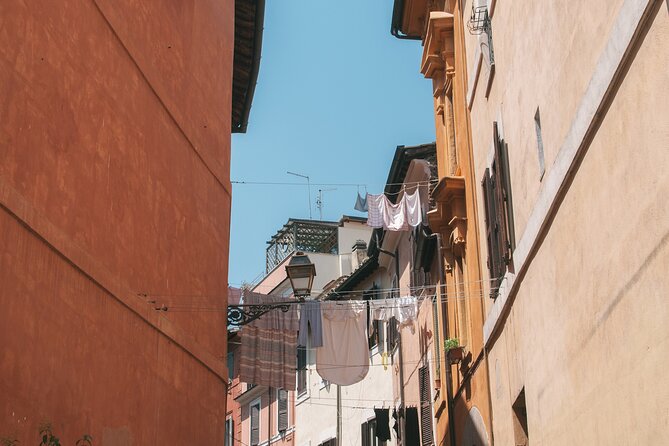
[301,273]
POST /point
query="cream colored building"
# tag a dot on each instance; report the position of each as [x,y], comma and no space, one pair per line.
[568,121]
[578,336]
[331,247]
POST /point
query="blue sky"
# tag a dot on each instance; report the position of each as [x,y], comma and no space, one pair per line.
[336,94]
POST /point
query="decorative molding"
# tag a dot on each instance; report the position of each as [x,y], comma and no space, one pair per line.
[449,216]
[438,49]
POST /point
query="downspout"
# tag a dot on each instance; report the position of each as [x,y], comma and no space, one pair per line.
[269,416]
[339,417]
[399,352]
[449,377]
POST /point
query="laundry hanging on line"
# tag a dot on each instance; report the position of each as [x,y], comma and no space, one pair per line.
[382,424]
[403,309]
[344,342]
[382,213]
[361,203]
[311,318]
[269,345]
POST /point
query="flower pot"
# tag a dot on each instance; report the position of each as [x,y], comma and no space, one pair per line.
[455,355]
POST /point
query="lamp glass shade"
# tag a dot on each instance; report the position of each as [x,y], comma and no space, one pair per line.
[301,273]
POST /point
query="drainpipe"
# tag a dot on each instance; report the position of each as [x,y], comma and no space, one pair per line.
[403,418]
[269,416]
[449,378]
[339,439]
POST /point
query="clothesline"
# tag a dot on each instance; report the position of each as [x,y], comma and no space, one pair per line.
[432,361]
[344,304]
[374,290]
[291,183]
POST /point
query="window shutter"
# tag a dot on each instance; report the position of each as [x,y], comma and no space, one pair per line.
[495,266]
[283,410]
[255,425]
[501,197]
[425,406]
[301,370]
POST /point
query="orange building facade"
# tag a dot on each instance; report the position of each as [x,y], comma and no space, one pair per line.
[461,404]
[115,200]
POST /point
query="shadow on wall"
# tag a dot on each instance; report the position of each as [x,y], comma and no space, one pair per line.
[474,433]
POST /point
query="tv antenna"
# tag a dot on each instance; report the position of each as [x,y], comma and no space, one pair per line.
[319,200]
[308,187]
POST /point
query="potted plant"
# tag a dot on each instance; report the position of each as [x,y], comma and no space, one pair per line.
[454,351]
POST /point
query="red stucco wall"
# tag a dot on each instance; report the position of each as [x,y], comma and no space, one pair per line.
[114,181]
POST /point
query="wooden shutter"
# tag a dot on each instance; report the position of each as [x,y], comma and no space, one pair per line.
[500,179]
[393,334]
[495,265]
[283,410]
[425,406]
[301,369]
[255,424]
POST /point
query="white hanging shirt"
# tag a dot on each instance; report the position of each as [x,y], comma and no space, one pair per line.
[394,216]
[384,214]
[344,357]
[413,208]
[404,309]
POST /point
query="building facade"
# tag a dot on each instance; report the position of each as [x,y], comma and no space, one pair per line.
[114,201]
[560,112]
[462,405]
[307,416]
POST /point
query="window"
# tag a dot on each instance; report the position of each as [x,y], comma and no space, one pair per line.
[301,370]
[425,406]
[254,409]
[368,432]
[229,432]
[520,420]
[282,403]
[330,442]
[393,334]
[498,214]
[376,334]
[231,365]
[540,145]
[393,325]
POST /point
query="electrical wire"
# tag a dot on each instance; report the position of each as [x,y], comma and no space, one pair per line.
[339,293]
[290,183]
[346,305]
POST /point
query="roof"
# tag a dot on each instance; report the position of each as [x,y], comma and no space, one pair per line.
[352,218]
[249,18]
[301,235]
[400,165]
[402,25]
[343,285]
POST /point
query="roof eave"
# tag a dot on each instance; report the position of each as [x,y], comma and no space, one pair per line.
[255,68]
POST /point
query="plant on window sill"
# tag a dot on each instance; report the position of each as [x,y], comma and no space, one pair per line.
[454,351]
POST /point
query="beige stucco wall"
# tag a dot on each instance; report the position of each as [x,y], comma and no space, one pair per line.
[545,53]
[588,332]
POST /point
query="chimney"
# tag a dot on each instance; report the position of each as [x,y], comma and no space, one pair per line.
[358,254]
